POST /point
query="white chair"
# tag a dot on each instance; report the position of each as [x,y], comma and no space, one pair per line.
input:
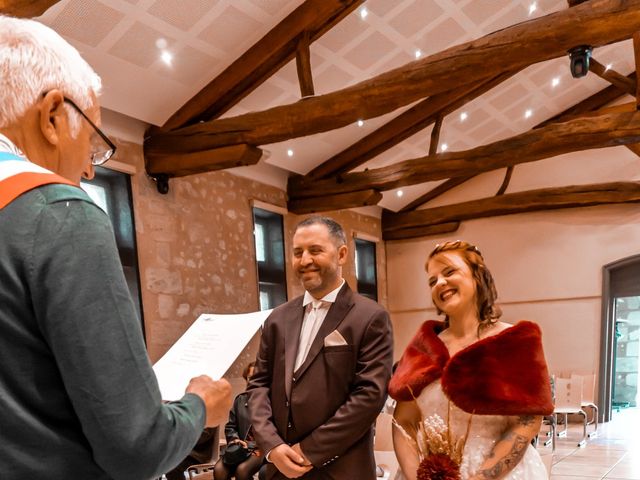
[569,401]
[383,446]
[588,401]
[550,420]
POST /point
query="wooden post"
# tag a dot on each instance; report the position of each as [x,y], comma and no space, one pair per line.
[435,136]
[303,65]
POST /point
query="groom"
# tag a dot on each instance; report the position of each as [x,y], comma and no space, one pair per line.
[322,368]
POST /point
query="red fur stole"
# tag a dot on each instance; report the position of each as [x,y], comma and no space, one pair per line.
[504,374]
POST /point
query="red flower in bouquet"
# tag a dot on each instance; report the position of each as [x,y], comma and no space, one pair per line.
[439,452]
[438,466]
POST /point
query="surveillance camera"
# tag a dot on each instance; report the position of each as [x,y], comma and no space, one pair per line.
[579,58]
[162,183]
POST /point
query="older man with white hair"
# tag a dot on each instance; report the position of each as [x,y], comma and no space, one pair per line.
[78,397]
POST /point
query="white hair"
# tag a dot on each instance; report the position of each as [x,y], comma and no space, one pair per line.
[33,60]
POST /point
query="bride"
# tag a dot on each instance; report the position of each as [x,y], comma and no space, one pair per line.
[471,390]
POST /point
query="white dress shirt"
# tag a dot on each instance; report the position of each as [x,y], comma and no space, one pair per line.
[314,314]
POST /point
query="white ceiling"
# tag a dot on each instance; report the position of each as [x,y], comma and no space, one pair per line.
[120,39]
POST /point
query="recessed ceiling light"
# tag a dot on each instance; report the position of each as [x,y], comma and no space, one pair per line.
[167,57]
[532,8]
[418,53]
[463,116]
[555,81]
[444,147]
[399,193]
[528,113]
[608,67]
[360,123]
[290,152]
[364,12]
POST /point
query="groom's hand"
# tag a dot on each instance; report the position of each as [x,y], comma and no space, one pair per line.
[288,461]
[298,449]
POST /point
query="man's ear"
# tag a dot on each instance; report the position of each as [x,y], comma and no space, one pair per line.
[343,252]
[52,116]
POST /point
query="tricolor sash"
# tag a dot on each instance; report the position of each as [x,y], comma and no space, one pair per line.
[18,175]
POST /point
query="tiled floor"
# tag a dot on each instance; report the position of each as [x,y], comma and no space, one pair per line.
[613,454]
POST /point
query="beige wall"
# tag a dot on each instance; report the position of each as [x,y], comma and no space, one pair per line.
[547,267]
[196,249]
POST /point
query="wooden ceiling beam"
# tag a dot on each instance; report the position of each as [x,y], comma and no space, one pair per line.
[512,203]
[263,59]
[25,8]
[623,83]
[554,139]
[599,22]
[589,104]
[406,124]
[361,198]
[595,101]
[201,162]
[408,233]
[436,192]
[634,147]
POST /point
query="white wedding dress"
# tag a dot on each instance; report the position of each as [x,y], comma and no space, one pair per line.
[484,432]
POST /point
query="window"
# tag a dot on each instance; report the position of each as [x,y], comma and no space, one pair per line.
[272,280]
[366,274]
[111,191]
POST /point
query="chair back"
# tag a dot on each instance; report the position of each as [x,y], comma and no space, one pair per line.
[568,393]
[383,441]
[588,387]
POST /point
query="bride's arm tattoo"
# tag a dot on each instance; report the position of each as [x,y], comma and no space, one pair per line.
[517,446]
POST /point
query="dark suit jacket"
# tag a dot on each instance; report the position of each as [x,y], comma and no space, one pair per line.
[331,402]
[239,421]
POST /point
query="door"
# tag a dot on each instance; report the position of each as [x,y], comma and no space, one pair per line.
[620,331]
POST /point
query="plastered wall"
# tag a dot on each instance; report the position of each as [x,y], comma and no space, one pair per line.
[547,267]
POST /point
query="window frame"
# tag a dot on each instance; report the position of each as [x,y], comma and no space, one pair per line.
[271,274]
[366,288]
[119,199]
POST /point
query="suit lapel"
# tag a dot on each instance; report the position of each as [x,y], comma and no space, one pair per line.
[335,315]
[293,321]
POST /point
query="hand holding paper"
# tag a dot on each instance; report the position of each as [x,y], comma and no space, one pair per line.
[216,396]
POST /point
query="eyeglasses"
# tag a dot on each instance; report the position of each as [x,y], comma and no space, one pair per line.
[98,156]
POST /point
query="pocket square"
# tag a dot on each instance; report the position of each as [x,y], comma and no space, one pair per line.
[334,339]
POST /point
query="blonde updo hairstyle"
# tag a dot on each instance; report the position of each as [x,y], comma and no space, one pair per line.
[486,294]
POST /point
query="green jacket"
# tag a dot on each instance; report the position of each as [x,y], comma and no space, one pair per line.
[78,396]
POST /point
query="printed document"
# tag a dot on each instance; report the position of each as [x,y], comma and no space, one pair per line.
[209,347]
